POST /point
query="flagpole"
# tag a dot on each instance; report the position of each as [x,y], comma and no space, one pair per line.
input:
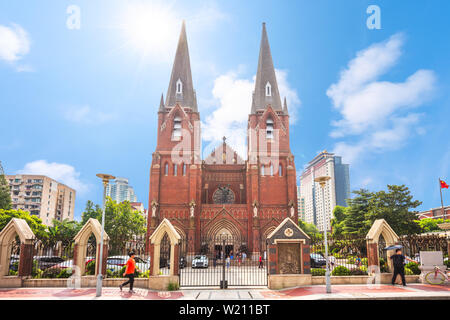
[442,202]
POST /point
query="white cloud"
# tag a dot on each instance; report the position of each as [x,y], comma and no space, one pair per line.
[86,115]
[60,172]
[14,43]
[378,113]
[234,98]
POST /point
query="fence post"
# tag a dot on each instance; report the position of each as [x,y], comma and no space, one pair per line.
[26,259]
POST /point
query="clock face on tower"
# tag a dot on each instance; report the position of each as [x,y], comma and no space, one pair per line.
[223,195]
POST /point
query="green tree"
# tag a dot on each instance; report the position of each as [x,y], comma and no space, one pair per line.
[5,194]
[63,231]
[309,228]
[34,222]
[430,224]
[355,222]
[91,211]
[395,206]
[122,223]
[337,223]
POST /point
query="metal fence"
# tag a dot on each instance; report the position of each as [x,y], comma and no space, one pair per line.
[413,244]
[14,257]
[346,255]
[222,261]
[52,260]
[118,256]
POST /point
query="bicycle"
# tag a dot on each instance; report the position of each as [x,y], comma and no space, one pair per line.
[437,276]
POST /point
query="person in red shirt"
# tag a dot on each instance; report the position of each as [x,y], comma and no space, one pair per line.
[129,272]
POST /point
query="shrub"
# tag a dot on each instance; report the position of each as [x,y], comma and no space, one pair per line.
[12,273]
[408,272]
[90,268]
[51,273]
[317,272]
[351,260]
[447,263]
[364,261]
[173,286]
[338,256]
[65,273]
[383,265]
[414,267]
[145,274]
[363,268]
[340,271]
[35,271]
[358,272]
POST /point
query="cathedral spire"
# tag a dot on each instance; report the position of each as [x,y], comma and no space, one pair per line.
[285,108]
[266,87]
[181,89]
[161,103]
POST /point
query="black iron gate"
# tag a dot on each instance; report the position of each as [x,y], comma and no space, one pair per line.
[223,261]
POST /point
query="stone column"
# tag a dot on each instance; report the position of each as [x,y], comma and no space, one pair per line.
[306,259]
[272,256]
[176,258]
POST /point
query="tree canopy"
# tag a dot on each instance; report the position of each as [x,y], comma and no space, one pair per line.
[5,194]
[33,221]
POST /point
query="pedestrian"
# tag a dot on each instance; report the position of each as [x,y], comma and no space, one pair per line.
[358,261]
[398,260]
[244,256]
[260,262]
[228,261]
[129,272]
[239,258]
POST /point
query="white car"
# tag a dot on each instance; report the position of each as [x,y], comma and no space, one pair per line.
[200,262]
[115,263]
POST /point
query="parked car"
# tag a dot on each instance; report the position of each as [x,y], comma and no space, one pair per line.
[14,262]
[45,262]
[115,263]
[68,264]
[182,264]
[317,260]
[200,262]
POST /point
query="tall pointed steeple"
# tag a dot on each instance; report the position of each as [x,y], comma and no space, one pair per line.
[181,89]
[266,87]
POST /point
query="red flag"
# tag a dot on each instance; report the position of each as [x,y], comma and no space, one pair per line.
[443,184]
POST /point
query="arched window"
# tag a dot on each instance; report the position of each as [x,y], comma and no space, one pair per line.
[268,90]
[262,170]
[177,127]
[269,128]
[280,170]
[175,169]
[179,86]
[166,169]
[184,169]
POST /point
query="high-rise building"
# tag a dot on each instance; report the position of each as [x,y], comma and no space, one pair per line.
[336,190]
[300,205]
[42,196]
[120,191]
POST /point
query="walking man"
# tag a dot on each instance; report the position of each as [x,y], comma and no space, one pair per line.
[260,262]
[398,260]
[129,272]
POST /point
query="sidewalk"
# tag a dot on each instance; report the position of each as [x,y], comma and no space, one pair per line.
[339,292]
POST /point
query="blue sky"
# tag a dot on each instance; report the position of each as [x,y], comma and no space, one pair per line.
[75,102]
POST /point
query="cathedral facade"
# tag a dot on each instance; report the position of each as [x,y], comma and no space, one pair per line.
[243,198]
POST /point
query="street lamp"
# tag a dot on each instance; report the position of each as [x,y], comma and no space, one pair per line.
[105,178]
[322,181]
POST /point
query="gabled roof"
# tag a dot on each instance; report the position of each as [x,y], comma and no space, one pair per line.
[217,156]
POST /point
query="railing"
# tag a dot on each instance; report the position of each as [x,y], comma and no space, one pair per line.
[346,256]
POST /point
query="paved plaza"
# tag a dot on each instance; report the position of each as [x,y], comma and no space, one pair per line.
[340,292]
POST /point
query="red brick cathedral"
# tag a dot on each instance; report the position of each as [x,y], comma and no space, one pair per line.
[222,194]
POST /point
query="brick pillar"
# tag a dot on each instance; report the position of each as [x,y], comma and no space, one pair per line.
[190,237]
[256,237]
[272,256]
[372,254]
[306,258]
[152,223]
[176,259]
[26,259]
[151,249]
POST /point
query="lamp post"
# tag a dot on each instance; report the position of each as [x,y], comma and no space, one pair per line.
[105,179]
[322,181]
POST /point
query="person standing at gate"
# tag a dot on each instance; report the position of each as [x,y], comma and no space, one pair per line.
[398,260]
[129,272]
[227,260]
[260,262]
